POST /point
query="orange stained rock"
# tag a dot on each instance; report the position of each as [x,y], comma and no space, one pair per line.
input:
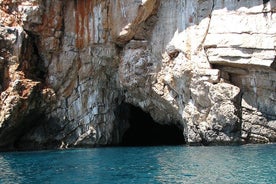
[85,21]
[83,9]
[52,20]
[7,17]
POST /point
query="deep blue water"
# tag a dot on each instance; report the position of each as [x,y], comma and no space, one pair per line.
[164,164]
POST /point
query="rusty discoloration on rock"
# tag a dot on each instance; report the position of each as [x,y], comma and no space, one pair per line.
[68,66]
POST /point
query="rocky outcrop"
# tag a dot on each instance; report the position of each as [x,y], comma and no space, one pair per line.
[68,68]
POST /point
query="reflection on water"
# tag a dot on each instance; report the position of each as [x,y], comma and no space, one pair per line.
[165,164]
[6,172]
[198,165]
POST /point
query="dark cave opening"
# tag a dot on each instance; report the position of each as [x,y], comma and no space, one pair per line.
[144,131]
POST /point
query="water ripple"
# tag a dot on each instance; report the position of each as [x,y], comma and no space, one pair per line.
[165,164]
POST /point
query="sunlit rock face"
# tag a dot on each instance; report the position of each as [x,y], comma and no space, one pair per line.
[69,67]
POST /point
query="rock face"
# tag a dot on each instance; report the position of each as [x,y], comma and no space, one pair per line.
[72,70]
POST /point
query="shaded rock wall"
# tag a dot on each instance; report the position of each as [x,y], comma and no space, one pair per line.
[208,67]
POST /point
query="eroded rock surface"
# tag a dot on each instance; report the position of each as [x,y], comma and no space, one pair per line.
[68,67]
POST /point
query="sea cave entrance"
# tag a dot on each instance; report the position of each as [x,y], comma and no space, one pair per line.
[142,130]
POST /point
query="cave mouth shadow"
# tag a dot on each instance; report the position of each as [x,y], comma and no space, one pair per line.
[144,131]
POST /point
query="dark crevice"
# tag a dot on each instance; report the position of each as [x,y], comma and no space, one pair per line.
[142,130]
[32,63]
[38,124]
[11,136]
[3,73]
[273,64]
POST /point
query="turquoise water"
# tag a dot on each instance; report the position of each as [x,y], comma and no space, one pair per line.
[164,164]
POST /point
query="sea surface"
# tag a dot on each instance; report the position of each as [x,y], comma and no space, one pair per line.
[163,164]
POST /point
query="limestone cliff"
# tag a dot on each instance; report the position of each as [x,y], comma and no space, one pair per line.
[74,73]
